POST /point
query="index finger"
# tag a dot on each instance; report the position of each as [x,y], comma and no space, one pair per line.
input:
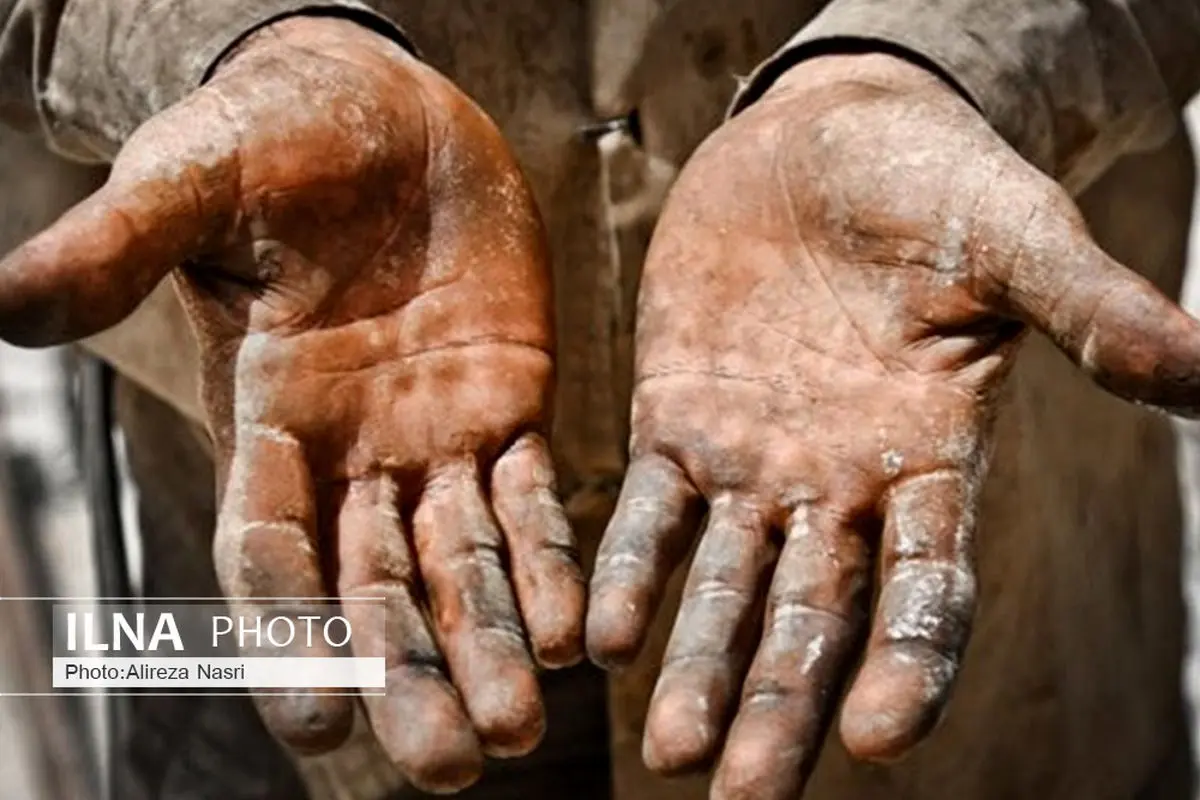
[657,513]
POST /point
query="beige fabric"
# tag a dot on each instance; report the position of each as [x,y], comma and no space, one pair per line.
[1070,687]
[1071,84]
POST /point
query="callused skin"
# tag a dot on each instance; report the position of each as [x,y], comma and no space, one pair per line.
[835,293]
[368,276]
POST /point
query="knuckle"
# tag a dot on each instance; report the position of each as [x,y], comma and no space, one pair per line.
[474,557]
[717,590]
[623,583]
[619,567]
[503,635]
[929,603]
[764,694]
[418,660]
[788,614]
[697,661]
[555,556]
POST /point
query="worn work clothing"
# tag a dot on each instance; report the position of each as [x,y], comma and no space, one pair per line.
[1070,685]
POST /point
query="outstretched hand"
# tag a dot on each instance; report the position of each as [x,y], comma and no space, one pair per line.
[367,275]
[833,298]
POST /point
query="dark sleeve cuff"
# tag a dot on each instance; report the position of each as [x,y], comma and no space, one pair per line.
[155,54]
[1070,87]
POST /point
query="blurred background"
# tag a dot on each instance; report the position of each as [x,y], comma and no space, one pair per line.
[50,747]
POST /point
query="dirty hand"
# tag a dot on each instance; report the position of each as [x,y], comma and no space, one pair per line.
[834,296]
[367,275]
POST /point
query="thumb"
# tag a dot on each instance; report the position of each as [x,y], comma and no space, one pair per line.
[1122,331]
[169,195]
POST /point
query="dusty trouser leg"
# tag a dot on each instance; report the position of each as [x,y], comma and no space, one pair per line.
[186,747]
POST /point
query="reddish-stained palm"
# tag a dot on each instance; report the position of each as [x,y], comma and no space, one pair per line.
[368,278]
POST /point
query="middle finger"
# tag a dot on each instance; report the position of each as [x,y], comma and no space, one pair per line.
[813,618]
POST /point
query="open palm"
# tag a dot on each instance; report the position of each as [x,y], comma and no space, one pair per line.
[821,348]
[368,279]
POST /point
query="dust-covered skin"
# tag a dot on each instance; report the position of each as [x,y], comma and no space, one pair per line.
[833,299]
[369,281]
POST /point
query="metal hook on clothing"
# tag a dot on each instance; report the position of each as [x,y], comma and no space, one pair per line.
[630,124]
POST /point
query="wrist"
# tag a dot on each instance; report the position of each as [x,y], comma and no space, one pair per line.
[881,70]
[337,36]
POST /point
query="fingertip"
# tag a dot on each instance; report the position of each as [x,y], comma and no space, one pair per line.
[756,768]
[23,320]
[615,630]
[449,778]
[425,732]
[1128,336]
[558,646]
[311,723]
[895,702]
[681,735]
[454,765]
[554,608]
[509,715]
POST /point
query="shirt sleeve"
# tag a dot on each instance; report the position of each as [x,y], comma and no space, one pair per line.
[1071,84]
[89,72]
